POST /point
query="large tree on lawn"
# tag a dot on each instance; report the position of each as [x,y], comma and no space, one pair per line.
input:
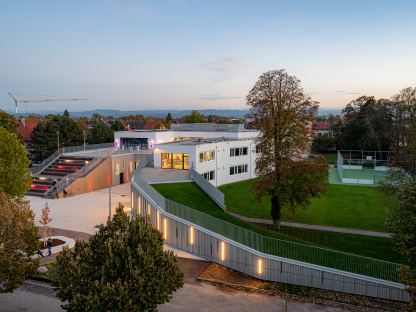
[283,113]
[123,267]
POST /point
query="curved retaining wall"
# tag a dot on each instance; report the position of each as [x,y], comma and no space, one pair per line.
[204,243]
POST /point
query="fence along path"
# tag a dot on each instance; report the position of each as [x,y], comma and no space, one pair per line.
[283,261]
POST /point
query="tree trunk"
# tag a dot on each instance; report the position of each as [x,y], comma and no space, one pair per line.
[276,213]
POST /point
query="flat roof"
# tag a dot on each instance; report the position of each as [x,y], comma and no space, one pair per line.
[200,141]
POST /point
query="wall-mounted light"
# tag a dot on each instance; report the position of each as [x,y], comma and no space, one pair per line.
[259,266]
[139,205]
[132,201]
[222,251]
[165,228]
[191,235]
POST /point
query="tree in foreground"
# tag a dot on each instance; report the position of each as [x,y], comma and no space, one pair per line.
[7,121]
[18,241]
[283,114]
[14,165]
[402,223]
[122,268]
[45,220]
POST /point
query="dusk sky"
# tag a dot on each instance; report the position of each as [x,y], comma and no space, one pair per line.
[133,55]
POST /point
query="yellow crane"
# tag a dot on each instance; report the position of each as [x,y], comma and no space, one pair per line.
[15,100]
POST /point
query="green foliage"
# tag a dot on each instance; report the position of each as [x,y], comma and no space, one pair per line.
[7,121]
[194,117]
[117,126]
[122,268]
[14,165]
[45,135]
[18,241]
[367,125]
[402,223]
[402,220]
[100,133]
[324,143]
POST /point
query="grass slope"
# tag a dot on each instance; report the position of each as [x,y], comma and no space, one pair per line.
[191,195]
[349,206]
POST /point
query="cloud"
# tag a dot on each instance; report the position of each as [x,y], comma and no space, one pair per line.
[337,92]
[221,69]
[216,97]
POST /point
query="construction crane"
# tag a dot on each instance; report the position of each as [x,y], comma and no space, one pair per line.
[40,100]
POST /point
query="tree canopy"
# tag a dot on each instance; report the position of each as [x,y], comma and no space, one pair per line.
[283,113]
[194,117]
[14,165]
[367,125]
[401,220]
[7,121]
[122,268]
[18,241]
[117,126]
[100,133]
[45,134]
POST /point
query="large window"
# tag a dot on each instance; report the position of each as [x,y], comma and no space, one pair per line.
[209,176]
[175,161]
[206,156]
[238,169]
[238,151]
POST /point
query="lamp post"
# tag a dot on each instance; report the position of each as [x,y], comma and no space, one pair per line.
[57,136]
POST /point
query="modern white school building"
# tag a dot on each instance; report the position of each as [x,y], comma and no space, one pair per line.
[221,153]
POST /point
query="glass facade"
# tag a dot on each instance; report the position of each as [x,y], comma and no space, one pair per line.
[174,161]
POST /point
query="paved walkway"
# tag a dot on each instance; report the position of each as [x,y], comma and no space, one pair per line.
[155,175]
[313,226]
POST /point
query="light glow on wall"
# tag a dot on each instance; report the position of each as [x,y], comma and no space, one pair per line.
[191,235]
[260,266]
[165,228]
[148,208]
[222,251]
[139,205]
[158,219]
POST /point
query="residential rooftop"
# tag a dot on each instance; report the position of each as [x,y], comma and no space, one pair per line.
[200,141]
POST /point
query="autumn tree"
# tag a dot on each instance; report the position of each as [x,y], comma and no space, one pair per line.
[283,114]
[14,165]
[18,241]
[45,220]
[123,267]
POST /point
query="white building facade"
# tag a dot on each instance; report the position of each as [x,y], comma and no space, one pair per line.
[222,154]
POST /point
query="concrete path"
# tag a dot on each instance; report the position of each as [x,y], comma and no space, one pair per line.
[155,175]
[313,226]
[192,297]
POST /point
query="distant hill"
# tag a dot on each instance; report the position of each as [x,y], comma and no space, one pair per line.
[160,113]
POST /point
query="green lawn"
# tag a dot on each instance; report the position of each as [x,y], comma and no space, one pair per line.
[191,195]
[349,206]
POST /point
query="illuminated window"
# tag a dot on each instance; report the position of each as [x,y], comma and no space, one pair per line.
[174,161]
[222,251]
[206,156]
[191,235]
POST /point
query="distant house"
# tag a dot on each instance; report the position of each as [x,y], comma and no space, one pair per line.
[321,128]
[144,125]
[24,129]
